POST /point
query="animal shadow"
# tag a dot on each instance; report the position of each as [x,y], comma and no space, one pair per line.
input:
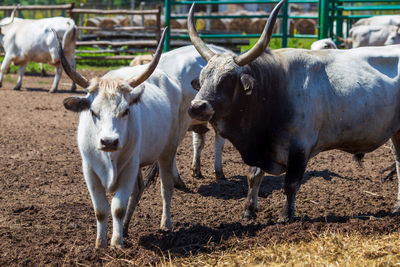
[63,91]
[236,186]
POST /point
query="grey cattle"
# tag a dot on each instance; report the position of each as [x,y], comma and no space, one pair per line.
[26,40]
[280,108]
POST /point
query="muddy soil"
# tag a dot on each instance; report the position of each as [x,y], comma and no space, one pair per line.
[46,215]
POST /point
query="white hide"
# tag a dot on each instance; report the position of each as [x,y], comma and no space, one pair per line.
[185,64]
[27,40]
[369,35]
[323,44]
[150,132]
[379,20]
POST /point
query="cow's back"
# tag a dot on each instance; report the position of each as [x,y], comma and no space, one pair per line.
[342,98]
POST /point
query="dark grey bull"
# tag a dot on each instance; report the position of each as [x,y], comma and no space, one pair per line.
[280,108]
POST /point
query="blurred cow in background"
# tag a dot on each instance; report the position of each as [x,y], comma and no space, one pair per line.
[371,35]
[326,43]
[26,40]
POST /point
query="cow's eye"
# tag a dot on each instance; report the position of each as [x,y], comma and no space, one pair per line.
[94,115]
[126,112]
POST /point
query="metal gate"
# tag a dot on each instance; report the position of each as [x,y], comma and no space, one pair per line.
[335,17]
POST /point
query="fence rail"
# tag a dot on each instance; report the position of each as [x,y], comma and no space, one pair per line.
[102,35]
[284,16]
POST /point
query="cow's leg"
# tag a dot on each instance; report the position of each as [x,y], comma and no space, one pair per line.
[4,66]
[57,77]
[296,166]
[21,72]
[198,145]
[254,179]
[42,70]
[119,203]
[178,183]
[167,185]
[395,146]
[100,204]
[133,201]
[219,142]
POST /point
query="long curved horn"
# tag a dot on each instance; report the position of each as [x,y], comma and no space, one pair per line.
[200,46]
[75,76]
[263,42]
[135,81]
[12,16]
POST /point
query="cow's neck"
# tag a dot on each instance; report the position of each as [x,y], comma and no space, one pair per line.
[258,122]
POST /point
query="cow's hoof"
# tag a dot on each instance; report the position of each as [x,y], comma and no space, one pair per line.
[220,176]
[1,84]
[179,184]
[17,88]
[73,88]
[165,229]
[249,215]
[197,175]
[101,243]
[52,91]
[396,208]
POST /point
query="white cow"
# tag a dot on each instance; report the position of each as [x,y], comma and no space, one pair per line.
[128,120]
[379,20]
[187,64]
[369,35]
[394,37]
[326,43]
[27,40]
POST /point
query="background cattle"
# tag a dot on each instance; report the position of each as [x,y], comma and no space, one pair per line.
[379,20]
[326,43]
[370,35]
[27,40]
[187,64]
[280,108]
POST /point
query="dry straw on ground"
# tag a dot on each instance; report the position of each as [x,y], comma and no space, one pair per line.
[327,249]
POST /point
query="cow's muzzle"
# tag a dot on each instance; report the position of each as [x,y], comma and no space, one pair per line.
[109,145]
[201,110]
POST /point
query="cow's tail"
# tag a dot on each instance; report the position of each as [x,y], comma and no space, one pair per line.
[150,174]
[69,35]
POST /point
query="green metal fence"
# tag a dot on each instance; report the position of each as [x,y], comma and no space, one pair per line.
[335,13]
[284,15]
[332,15]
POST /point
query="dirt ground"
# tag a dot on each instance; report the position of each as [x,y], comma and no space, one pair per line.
[46,215]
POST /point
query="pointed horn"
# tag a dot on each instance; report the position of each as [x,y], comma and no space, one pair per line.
[12,16]
[263,42]
[133,82]
[76,77]
[200,46]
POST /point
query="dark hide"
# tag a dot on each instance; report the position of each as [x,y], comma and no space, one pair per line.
[258,121]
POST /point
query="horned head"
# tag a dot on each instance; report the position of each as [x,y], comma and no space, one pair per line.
[225,77]
[110,98]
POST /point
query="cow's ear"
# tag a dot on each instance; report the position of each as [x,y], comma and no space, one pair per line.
[135,94]
[248,83]
[76,104]
[195,84]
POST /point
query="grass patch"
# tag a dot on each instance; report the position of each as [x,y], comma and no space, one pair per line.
[9,79]
[327,249]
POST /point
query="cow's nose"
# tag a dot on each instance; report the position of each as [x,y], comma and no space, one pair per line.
[201,110]
[109,144]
